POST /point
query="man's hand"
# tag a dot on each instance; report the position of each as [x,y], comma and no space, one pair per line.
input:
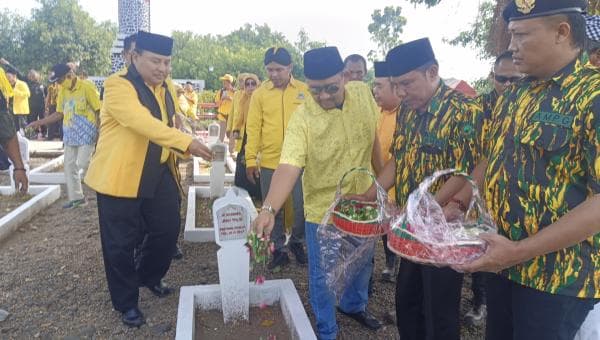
[263,224]
[368,196]
[199,149]
[33,125]
[252,173]
[453,212]
[501,254]
[21,181]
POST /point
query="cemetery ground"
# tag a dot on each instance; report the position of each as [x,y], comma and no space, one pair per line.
[53,285]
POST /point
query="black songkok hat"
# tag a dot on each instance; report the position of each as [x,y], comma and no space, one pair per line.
[382,69]
[278,55]
[154,43]
[409,57]
[322,63]
[527,9]
[59,71]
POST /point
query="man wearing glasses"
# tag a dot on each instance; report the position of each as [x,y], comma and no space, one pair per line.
[333,132]
[271,108]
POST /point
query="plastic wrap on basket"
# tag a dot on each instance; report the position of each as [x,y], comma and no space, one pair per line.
[346,249]
[422,234]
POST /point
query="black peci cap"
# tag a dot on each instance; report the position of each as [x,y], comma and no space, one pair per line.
[154,43]
[322,63]
[410,56]
[278,55]
[527,9]
[382,69]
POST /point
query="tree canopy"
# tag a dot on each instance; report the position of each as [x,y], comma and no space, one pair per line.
[58,31]
[386,29]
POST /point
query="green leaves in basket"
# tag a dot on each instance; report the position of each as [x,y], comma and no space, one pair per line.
[358,212]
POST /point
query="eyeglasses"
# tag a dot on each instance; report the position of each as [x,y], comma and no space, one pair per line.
[329,89]
[504,79]
[250,83]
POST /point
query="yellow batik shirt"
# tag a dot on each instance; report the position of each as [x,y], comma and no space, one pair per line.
[542,162]
[328,143]
[441,137]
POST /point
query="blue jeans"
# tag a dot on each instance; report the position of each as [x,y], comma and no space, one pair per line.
[322,300]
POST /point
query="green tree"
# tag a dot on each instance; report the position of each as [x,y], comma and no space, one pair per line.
[304,43]
[12,26]
[208,57]
[61,31]
[385,29]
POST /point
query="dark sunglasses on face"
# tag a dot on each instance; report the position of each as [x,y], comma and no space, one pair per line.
[329,89]
[504,79]
[250,83]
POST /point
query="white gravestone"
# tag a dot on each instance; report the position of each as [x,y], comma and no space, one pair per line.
[231,218]
[213,133]
[217,170]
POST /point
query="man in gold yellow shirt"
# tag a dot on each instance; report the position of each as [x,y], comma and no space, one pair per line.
[332,133]
[271,107]
[224,101]
[192,99]
[20,101]
[138,186]
[78,106]
[389,102]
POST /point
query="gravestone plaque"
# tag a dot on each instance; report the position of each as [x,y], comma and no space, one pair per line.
[213,133]
[231,218]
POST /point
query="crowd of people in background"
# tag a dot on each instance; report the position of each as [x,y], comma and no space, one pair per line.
[294,139]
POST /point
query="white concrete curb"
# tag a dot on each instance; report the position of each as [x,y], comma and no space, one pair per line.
[44,196]
[44,175]
[208,297]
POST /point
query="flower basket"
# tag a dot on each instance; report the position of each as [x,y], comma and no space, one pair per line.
[423,235]
[361,219]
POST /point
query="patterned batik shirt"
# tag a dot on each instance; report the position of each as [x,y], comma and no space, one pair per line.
[542,162]
[441,137]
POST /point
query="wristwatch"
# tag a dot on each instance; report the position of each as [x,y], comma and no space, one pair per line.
[268,208]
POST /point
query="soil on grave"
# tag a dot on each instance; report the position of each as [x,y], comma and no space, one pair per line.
[52,281]
[9,203]
[204,213]
[267,323]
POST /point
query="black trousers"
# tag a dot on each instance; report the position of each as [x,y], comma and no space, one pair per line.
[516,312]
[427,302]
[478,283]
[121,222]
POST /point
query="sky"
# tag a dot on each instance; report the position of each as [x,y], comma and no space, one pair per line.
[335,22]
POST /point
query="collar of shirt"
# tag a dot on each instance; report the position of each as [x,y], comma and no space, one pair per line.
[559,77]
[269,84]
[439,96]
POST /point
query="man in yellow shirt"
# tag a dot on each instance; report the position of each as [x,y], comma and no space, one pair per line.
[20,107]
[78,105]
[333,132]
[271,107]
[192,99]
[224,100]
[389,103]
[138,186]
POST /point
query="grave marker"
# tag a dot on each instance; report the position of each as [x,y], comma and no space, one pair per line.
[231,220]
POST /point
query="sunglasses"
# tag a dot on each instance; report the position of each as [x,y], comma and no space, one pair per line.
[250,83]
[329,89]
[504,79]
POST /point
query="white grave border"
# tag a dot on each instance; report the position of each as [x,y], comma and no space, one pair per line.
[44,175]
[208,297]
[43,196]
